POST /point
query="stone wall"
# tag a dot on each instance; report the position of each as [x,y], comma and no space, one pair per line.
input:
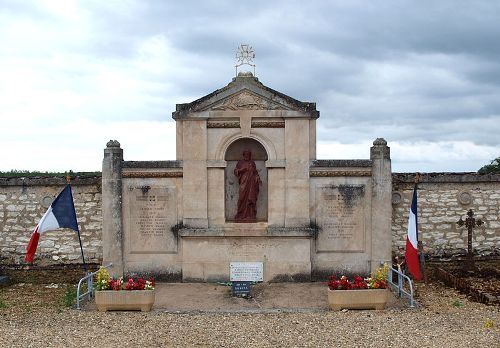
[24,201]
[442,199]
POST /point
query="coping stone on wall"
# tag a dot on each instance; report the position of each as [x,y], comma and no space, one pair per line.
[152,164]
[49,181]
[341,163]
[445,177]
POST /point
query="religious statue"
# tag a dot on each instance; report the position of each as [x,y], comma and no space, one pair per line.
[249,181]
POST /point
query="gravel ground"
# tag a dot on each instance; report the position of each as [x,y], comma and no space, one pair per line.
[35,317]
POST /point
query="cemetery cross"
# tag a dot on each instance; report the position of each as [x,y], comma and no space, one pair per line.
[470,222]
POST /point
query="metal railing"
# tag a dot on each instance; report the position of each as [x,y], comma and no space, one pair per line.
[400,287]
[89,280]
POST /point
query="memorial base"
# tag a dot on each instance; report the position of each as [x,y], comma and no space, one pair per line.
[207,254]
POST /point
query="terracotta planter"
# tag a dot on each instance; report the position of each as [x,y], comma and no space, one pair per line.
[124,300]
[357,299]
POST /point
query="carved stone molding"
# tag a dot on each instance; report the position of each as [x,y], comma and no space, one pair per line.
[47,201]
[465,198]
[327,173]
[268,124]
[397,197]
[113,143]
[223,124]
[152,175]
[380,141]
[247,101]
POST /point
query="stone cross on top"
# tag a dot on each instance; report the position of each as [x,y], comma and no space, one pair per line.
[470,222]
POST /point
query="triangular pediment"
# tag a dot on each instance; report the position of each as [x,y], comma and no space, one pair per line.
[245,92]
[246,100]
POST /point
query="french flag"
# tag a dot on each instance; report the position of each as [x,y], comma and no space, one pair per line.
[411,254]
[61,214]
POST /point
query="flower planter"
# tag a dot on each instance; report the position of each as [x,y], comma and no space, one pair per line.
[124,300]
[357,299]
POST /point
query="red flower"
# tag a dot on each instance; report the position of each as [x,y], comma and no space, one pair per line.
[345,284]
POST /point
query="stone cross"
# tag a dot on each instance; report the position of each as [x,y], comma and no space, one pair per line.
[470,222]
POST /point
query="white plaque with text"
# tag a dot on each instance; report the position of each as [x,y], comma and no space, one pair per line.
[246,271]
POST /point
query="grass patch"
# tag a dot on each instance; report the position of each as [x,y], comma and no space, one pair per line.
[30,278]
[69,298]
[457,304]
[2,303]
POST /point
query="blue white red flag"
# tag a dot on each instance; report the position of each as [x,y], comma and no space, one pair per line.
[61,214]
[411,254]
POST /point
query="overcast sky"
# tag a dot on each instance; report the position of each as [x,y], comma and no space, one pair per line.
[424,75]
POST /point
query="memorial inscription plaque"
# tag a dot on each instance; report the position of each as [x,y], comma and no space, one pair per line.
[152,214]
[340,217]
[246,271]
[241,289]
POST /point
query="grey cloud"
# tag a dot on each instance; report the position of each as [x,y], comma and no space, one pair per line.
[405,70]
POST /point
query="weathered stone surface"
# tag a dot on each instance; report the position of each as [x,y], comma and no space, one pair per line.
[341,163]
[152,164]
[112,229]
[208,258]
[340,217]
[444,177]
[148,220]
[245,93]
[440,208]
[176,217]
[20,212]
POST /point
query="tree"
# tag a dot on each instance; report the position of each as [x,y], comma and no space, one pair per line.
[492,168]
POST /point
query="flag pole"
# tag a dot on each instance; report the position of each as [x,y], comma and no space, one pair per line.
[421,256]
[68,179]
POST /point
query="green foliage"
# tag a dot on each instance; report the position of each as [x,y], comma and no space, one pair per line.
[102,279]
[31,278]
[457,304]
[69,298]
[378,277]
[492,168]
[16,173]
[2,303]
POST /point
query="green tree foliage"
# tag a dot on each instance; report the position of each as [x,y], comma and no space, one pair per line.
[492,168]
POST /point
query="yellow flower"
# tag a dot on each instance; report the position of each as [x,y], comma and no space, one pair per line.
[488,323]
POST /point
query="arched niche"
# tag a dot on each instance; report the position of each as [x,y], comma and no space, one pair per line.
[234,153]
[227,141]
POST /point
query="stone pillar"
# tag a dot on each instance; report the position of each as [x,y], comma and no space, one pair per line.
[195,175]
[381,236]
[112,232]
[276,195]
[297,151]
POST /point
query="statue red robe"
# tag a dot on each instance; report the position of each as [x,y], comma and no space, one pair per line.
[249,181]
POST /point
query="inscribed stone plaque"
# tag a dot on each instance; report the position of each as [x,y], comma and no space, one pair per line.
[246,271]
[340,217]
[152,214]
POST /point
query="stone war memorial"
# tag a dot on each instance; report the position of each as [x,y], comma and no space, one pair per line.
[246,187]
